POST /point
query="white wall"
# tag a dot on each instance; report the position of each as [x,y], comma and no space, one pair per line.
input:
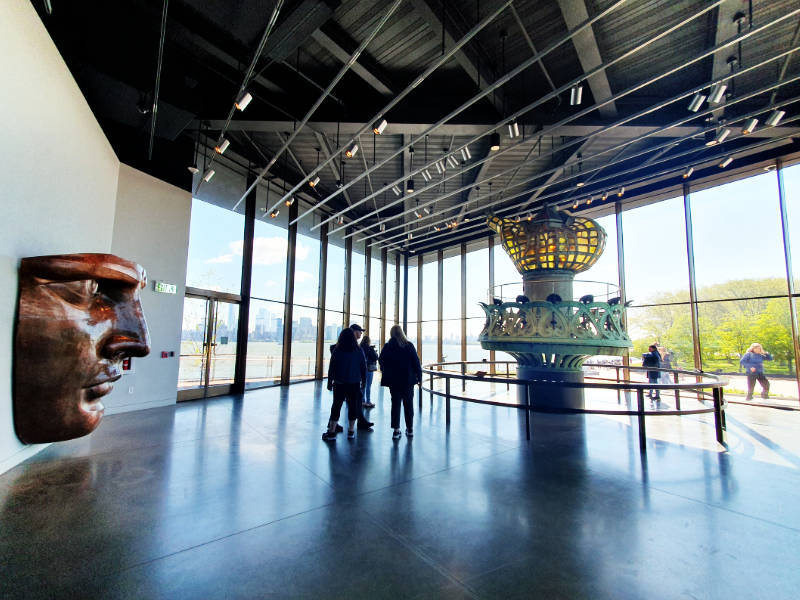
[59,177]
[152,229]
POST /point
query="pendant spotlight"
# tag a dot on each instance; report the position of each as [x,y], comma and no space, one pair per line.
[410,186]
[494,142]
[378,128]
[351,152]
[396,190]
[697,102]
[221,146]
[775,118]
[725,162]
[688,172]
[749,126]
[314,182]
[513,129]
[721,137]
[575,95]
[465,155]
[243,100]
[208,175]
[717,93]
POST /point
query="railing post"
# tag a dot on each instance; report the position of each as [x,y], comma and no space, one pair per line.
[528,402]
[431,388]
[719,417]
[677,392]
[619,394]
[463,381]
[508,377]
[642,432]
[447,401]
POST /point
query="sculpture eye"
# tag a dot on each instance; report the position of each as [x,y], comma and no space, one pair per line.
[78,293]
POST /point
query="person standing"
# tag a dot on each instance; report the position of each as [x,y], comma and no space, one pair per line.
[372,365]
[666,363]
[347,372]
[753,363]
[652,359]
[400,370]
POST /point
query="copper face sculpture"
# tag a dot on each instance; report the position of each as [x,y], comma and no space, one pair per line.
[79,315]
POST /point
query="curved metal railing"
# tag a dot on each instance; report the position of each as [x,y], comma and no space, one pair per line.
[704,382]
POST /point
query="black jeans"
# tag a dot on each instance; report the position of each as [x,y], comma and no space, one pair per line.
[751,384]
[402,394]
[350,392]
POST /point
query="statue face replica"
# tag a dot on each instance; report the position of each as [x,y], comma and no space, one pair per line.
[79,316]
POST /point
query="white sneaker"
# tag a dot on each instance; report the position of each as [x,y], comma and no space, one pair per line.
[396,435]
[410,432]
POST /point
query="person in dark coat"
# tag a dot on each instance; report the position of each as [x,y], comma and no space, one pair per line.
[372,365]
[347,372]
[652,358]
[400,371]
[362,420]
[753,363]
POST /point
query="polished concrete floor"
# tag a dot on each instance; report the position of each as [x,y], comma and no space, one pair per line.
[240,498]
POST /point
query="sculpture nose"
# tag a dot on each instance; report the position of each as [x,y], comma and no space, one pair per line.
[129,335]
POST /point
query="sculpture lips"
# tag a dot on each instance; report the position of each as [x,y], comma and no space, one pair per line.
[100,388]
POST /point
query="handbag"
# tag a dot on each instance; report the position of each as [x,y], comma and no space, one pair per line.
[372,366]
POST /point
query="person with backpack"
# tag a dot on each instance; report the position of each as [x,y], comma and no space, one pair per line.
[400,371]
[347,372]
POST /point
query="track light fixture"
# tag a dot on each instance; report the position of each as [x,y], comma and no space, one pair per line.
[221,146]
[513,129]
[517,219]
[379,127]
[426,210]
[417,214]
[410,235]
[580,184]
[604,196]
[274,214]
[749,126]
[589,200]
[351,152]
[494,142]
[452,161]
[426,175]
[530,217]
[410,186]
[396,190]
[575,95]
[465,154]
[688,172]
[382,227]
[193,168]
[437,228]
[243,100]
[314,182]
[621,191]
[775,117]
[440,167]
[721,137]
[289,201]
[725,162]
[697,102]
[340,220]
[208,175]
[575,205]
[717,93]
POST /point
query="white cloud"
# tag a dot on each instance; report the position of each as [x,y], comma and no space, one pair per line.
[266,251]
[301,276]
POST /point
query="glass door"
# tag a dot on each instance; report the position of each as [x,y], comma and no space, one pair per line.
[208,347]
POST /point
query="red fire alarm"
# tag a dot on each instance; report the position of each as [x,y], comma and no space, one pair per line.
[164,354]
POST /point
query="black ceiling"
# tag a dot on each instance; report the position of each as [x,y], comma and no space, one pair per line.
[112,49]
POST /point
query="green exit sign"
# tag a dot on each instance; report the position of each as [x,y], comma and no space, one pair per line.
[166,288]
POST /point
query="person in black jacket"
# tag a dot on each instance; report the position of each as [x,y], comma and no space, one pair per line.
[400,371]
[652,358]
[347,372]
[372,365]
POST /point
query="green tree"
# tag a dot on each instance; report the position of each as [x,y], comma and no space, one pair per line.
[775,331]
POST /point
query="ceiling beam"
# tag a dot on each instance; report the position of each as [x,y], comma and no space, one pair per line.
[467,129]
[725,28]
[480,76]
[575,13]
[337,51]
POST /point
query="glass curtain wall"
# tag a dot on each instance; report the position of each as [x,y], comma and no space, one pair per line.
[411,330]
[451,309]
[477,291]
[430,308]
[306,301]
[334,295]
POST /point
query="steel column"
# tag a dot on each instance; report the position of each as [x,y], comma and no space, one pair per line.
[626,359]
[321,292]
[419,306]
[396,289]
[288,307]
[490,241]
[348,277]
[405,293]
[440,304]
[367,284]
[687,210]
[240,367]
[463,302]
[787,253]
[384,255]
